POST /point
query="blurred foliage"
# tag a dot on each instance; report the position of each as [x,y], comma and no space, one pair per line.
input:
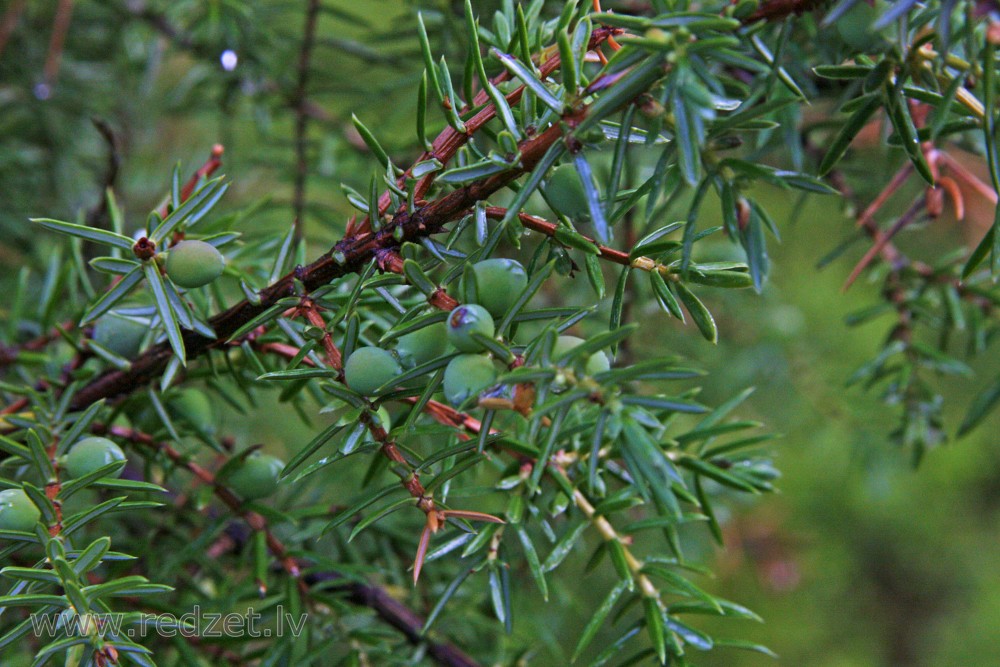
[859,561]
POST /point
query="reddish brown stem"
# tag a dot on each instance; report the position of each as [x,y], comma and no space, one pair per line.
[446,145]
[388,609]
[310,311]
[53,487]
[392,261]
[213,162]
[60,26]
[882,239]
[348,256]
[543,226]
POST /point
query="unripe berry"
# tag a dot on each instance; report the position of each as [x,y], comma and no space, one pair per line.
[145,419]
[89,454]
[657,35]
[423,345]
[189,407]
[465,321]
[120,334]
[596,363]
[564,192]
[194,263]
[256,476]
[368,368]
[193,408]
[499,282]
[17,512]
[466,375]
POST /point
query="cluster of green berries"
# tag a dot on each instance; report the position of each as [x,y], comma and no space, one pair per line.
[498,284]
[18,512]
[597,362]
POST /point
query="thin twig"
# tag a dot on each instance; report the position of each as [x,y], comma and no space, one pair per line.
[348,256]
[547,228]
[311,312]
[8,353]
[778,9]
[99,211]
[446,145]
[11,17]
[882,239]
[60,26]
[299,101]
[388,608]
[210,166]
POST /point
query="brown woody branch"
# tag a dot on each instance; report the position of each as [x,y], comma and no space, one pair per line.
[348,256]
[396,614]
[778,9]
[547,228]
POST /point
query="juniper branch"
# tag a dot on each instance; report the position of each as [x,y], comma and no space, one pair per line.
[389,610]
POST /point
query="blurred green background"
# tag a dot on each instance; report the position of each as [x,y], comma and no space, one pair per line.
[859,561]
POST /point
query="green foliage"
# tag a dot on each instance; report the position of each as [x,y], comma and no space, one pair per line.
[595,363]
[569,140]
